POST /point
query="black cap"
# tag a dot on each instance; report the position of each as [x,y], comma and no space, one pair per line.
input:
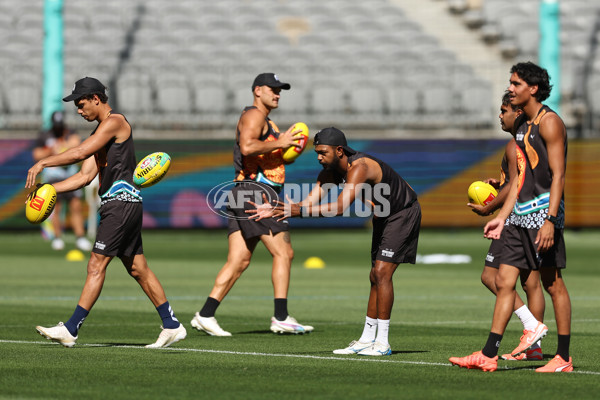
[332,137]
[271,80]
[86,86]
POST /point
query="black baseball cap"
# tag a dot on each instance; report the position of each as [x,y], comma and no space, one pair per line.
[86,86]
[271,80]
[332,137]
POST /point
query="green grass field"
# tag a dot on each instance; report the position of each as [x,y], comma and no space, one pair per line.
[441,310]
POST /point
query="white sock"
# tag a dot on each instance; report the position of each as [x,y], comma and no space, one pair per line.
[369,330]
[527,319]
[383,329]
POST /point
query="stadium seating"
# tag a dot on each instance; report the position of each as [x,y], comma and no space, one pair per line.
[189,64]
[514,26]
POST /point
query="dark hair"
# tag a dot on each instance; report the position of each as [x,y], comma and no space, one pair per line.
[101,96]
[506,101]
[534,75]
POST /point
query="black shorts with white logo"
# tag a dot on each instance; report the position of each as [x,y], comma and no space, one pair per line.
[120,229]
[238,218]
[520,249]
[492,259]
[395,238]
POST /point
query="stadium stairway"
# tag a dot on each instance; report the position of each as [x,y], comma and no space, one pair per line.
[486,60]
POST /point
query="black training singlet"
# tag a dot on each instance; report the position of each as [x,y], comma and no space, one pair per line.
[116,163]
[399,195]
[504,174]
[268,165]
[535,176]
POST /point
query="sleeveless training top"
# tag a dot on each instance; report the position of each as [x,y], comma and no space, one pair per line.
[116,163]
[535,177]
[267,168]
[399,196]
[504,175]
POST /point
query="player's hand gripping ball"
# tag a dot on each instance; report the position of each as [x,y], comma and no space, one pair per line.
[292,152]
[481,193]
[151,169]
[40,203]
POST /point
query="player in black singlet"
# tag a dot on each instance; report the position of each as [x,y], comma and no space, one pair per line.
[259,171]
[109,153]
[533,312]
[396,224]
[533,240]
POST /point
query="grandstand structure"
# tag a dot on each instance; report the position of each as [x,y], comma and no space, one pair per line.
[376,65]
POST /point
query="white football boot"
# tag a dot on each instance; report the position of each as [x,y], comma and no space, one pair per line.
[289,325]
[168,337]
[57,244]
[59,334]
[83,244]
[208,325]
[354,347]
[376,349]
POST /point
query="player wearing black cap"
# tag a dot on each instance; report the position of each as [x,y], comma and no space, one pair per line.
[109,153]
[396,224]
[259,170]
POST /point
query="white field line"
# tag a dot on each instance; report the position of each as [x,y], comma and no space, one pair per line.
[341,323]
[255,354]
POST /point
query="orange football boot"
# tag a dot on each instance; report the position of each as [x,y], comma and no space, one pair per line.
[533,354]
[557,364]
[530,338]
[476,361]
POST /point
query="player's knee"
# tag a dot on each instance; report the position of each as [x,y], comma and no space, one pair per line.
[502,284]
[488,280]
[555,288]
[135,272]
[96,265]
[380,275]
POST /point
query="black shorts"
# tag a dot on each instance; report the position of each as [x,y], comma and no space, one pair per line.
[520,250]
[120,229]
[395,238]
[492,259]
[238,218]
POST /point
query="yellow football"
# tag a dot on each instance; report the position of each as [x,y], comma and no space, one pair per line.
[292,152]
[481,193]
[40,203]
[151,169]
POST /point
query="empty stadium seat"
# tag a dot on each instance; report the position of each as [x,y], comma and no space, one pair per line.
[173,93]
[336,40]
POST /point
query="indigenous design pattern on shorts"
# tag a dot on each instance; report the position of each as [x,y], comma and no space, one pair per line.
[533,214]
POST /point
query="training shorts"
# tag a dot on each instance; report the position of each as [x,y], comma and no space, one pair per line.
[520,249]
[395,238]
[120,229]
[492,259]
[239,219]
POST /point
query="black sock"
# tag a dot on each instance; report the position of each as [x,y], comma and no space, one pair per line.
[491,347]
[210,307]
[281,311]
[563,346]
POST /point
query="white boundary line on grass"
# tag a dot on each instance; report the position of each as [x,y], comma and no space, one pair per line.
[244,353]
